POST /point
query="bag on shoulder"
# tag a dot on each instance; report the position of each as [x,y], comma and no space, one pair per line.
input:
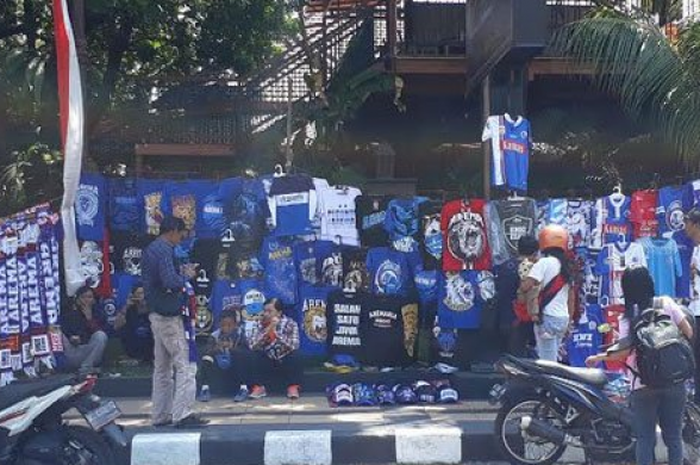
[664,355]
[547,294]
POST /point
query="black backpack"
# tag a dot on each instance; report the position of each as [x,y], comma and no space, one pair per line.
[664,355]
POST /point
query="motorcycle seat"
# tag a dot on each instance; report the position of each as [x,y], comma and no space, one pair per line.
[594,376]
[20,390]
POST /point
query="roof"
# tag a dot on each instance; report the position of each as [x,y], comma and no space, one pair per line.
[319,6]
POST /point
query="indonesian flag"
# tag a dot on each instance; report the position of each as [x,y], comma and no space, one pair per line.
[70,93]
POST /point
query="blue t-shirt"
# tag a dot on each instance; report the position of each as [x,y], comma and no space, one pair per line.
[670,212]
[211,220]
[90,206]
[585,340]
[182,200]
[516,152]
[225,293]
[389,272]
[277,257]
[664,263]
[311,317]
[253,301]
[151,198]
[426,282]
[403,224]
[460,302]
[685,249]
[124,213]
[319,262]
[230,188]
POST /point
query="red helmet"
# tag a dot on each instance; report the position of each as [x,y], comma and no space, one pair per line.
[554,236]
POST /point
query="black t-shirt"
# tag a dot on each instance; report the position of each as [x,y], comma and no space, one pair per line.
[205,256]
[430,234]
[127,252]
[507,282]
[389,331]
[355,275]
[344,312]
[370,212]
[518,218]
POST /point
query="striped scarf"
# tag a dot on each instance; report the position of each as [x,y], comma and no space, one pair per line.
[189,320]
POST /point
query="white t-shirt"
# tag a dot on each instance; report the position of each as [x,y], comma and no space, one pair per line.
[338,223]
[695,282]
[544,271]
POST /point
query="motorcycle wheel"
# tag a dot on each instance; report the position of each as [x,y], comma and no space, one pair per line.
[84,446]
[517,446]
[691,434]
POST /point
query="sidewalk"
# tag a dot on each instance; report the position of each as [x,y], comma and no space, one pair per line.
[277,431]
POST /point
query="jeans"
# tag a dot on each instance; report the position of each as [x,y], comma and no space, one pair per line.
[240,371]
[85,356]
[667,406]
[286,372]
[549,334]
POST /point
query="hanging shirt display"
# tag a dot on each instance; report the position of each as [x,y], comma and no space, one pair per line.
[355,274]
[695,282]
[459,300]
[309,257]
[670,212]
[90,206]
[403,224]
[389,331]
[585,339]
[337,211]
[510,150]
[211,220]
[389,272]
[151,199]
[613,260]
[344,311]
[311,317]
[693,194]
[643,213]
[123,205]
[225,294]
[518,218]
[253,301]
[578,222]
[686,247]
[613,215]
[277,258]
[182,200]
[466,245]
[613,314]
[431,234]
[370,216]
[127,251]
[293,205]
[664,263]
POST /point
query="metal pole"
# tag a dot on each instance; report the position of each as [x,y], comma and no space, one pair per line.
[289,154]
[486,145]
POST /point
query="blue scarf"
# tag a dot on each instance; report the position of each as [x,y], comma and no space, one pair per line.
[189,319]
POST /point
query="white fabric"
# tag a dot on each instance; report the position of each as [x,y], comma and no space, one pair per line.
[618,260]
[337,206]
[544,271]
[695,282]
[492,131]
[73,153]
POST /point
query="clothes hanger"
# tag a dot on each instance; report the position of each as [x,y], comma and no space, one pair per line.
[617,194]
[279,171]
[514,196]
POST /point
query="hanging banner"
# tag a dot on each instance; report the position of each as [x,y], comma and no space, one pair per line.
[70,93]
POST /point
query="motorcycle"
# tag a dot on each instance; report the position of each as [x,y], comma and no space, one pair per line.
[547,407]
[33,432]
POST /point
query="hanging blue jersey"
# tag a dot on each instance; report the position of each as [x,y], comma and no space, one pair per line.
[277,257]
[685,249]
[426,282]
[225,294]
[516,152]
[459,300]
[230,187]
[389,272]
[151,199]
[403,225]
[616,225]
[211,220]
[123,284]
[253,300]
[123,205]
[557,212]
[311,317]
[90,203]
[670,212]
[585,340]
[293,205]
[692,195]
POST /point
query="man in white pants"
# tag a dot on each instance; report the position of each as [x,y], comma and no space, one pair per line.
[163,285]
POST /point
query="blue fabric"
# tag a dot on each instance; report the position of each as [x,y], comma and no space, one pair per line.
[507,283]
[158,265]
[124,213]
[151,201]
[664,263]
[389,272]
[225,293]
[402,223]
[426,282]
[617,226]
[211,220]
[90,206]
[670,212]
[460,302]
[685,249]
[585,340]
[311,318]
[252,298]
[291,196]
[277,257]
[123,284]
[230,188]
[516,153]
[182,200]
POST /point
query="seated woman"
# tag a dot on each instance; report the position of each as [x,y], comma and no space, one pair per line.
[275,339]
[134,328]
[84,341]
[227,356]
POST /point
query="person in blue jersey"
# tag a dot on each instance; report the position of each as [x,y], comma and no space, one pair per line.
[516,151]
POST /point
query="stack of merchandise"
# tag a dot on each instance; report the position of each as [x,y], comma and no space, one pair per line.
[366,395]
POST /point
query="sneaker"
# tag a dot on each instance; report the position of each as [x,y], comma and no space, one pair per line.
[258,392]
[241,396]
[293,392]
[204,394]
[192,421]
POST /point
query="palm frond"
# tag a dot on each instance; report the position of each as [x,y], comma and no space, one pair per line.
[654,80]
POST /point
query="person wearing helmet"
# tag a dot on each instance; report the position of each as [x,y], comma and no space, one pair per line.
[552,274]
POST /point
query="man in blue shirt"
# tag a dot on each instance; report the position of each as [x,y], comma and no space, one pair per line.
[163,285]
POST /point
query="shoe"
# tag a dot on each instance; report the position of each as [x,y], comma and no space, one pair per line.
[163,424]
[204,394]
[293,392]
[258,392]
[241,396]
[192,421]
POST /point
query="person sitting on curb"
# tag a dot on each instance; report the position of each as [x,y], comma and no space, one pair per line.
[84,341]
[227,355]
[275,338]
[134,327]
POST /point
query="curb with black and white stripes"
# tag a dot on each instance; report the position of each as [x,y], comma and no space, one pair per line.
[425,444]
